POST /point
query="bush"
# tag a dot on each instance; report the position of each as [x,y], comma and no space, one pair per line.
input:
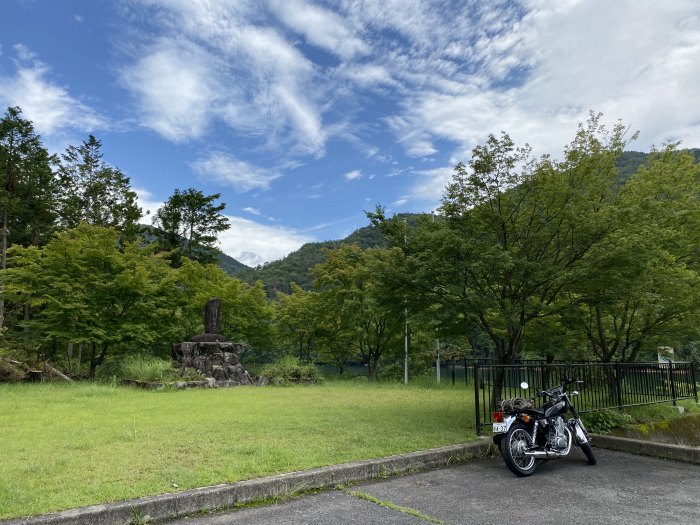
[147,369]
[605,421]
[290,370]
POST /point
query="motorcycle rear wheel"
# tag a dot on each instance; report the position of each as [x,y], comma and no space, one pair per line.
[513,446]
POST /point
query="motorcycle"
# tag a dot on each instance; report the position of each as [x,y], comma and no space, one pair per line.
[526,435]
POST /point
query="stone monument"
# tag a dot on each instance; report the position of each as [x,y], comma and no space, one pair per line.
[210,354]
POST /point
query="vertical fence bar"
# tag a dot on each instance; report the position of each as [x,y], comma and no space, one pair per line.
[672,383]
[695,383]
[618,385]
[477,407]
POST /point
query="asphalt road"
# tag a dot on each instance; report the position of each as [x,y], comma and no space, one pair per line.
[620,489]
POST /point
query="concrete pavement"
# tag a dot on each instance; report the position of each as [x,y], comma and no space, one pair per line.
[621,489]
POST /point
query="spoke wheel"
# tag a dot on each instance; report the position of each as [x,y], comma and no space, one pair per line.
[513,447]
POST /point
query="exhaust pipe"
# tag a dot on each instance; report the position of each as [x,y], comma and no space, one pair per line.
[544,454]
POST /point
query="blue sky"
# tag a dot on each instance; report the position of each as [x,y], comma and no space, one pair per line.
[304,114]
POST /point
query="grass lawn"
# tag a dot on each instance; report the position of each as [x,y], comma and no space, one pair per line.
[70,445]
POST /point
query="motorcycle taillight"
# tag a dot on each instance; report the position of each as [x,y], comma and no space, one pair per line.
[497,417]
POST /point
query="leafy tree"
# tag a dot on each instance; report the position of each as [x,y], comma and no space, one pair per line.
[513,232]
[643,284]
[86,290]
[190,221]
[27,193]
[353,286]
[298,321]
[96,193]
[246,315]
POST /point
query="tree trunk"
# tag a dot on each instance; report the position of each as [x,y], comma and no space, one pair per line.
[96,360]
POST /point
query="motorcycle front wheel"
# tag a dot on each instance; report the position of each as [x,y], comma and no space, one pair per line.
[513,446]
[586,447]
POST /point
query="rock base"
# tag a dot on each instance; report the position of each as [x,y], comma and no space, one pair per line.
[218,361]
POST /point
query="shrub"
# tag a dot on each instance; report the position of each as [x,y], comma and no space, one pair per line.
[605,421]
[290,369]
[146,368]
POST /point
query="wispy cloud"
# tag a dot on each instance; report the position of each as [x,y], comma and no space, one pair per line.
[50,106]
[321,27]
[175,93]
[213,62]
[226,169]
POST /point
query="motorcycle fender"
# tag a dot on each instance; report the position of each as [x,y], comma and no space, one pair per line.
[580,434]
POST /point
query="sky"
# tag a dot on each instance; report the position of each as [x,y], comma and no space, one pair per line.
[305,114]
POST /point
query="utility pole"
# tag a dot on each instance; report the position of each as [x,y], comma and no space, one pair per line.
[405,324]
[437,360]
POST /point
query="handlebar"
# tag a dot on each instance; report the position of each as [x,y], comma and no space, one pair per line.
[565,382]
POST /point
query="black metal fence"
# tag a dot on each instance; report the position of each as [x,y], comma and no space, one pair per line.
[605,385]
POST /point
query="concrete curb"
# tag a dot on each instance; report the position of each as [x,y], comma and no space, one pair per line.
[647,448]
[169,506]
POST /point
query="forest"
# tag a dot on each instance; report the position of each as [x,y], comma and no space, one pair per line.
[527,257]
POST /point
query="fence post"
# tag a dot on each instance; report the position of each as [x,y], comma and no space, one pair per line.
[672,382]
[692,376]
[476,398]
[618,386]
[466,377]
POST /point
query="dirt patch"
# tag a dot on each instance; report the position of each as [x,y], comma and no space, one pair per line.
[684,430]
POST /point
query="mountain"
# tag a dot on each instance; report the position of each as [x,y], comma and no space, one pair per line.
[230,265]
[628,163]
[296,267]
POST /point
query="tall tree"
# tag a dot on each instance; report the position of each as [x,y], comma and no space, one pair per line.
[96,193]
[26,195]
[513,233]
[88,291]
[353,286]
[643,284]
[190,221]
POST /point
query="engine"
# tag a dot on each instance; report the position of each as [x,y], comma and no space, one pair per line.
[556,433]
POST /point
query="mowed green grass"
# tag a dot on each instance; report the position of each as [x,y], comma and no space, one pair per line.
[71,445]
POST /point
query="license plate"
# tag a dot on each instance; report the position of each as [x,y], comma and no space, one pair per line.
[500,428]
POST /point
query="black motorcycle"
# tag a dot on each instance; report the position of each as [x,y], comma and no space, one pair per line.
[527,435]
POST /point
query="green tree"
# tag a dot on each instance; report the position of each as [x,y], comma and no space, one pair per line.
[247,317]
[354,288]
[86,290]
[190,221]
[96,193]
[298,321]
[27,194]
[643,284]
[512,234]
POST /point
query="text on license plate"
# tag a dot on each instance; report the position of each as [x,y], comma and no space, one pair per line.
[500,427]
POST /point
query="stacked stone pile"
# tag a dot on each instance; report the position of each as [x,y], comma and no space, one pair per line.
[210,354]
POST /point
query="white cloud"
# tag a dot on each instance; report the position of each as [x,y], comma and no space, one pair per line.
[214,62]
[252,243]
[353,175]
[428,189]
[226,169]
[252,211]
[321,27]
[541,74]
[147,204]
[48,105]
[175,92]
